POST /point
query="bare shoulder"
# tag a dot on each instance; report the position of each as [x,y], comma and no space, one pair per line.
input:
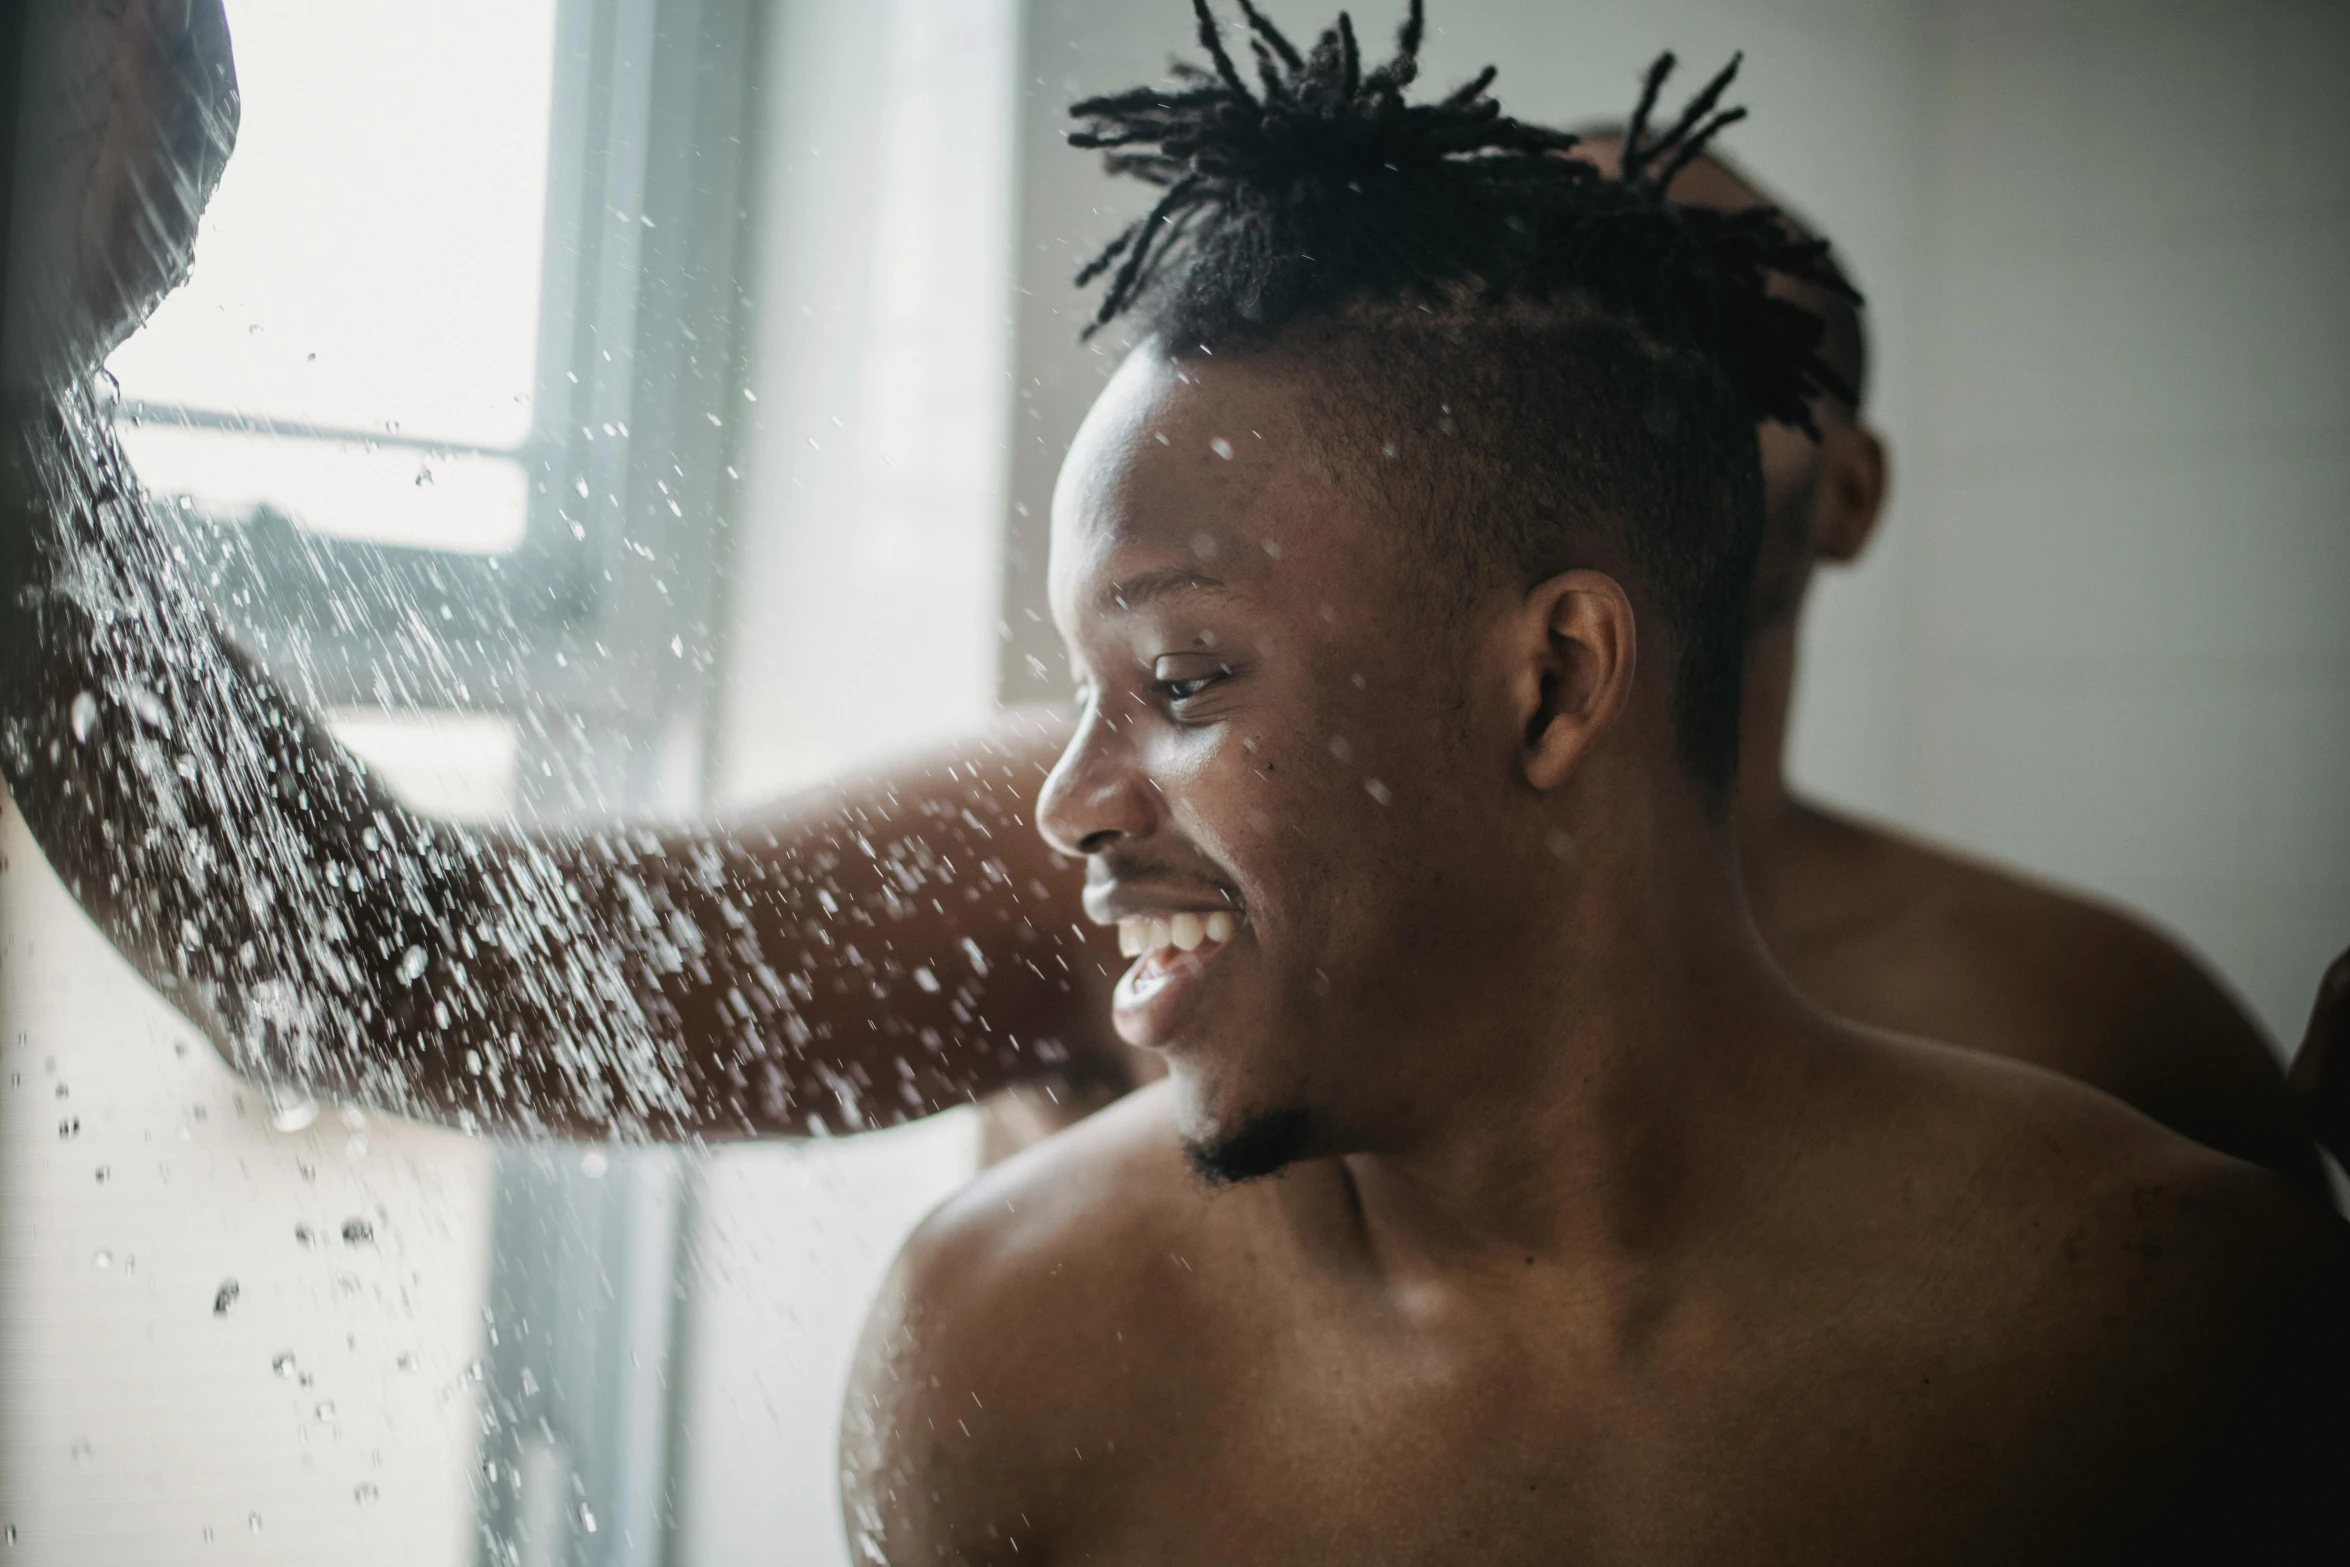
[999,1349]
[2122,1243]
[1927,941]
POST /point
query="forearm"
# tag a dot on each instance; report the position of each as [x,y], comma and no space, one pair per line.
[250,868]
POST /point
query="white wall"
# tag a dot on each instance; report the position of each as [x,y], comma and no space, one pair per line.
[2128,610]
[2105,630]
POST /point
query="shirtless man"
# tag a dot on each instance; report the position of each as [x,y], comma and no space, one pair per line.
[1404,758]
[849,958]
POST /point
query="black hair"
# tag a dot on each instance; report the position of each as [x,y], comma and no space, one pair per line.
[1844,336]
[1596,355]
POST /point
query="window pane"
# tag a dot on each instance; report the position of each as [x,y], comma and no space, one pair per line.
[458,766]
[372,260]
[347,489]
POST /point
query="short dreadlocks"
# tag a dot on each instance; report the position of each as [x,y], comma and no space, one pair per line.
[1568,355]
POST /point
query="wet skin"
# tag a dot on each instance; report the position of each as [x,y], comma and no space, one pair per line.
[1604,1244]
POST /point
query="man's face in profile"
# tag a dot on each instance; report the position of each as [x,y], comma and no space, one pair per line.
[1275,750]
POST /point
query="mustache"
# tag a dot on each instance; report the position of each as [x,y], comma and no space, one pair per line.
[1114,867]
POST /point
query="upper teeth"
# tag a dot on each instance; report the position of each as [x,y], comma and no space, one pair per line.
[1184,932]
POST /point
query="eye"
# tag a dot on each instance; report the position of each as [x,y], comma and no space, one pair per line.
[1180,678]
[1185,690]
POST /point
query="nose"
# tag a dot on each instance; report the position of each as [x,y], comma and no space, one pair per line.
[1097,793]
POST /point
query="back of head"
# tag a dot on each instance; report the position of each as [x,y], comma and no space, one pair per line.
[1532,364]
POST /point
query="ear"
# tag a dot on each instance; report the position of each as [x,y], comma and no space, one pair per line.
[1574,649]
[1850,492]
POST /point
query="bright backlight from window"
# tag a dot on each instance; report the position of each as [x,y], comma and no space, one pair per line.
[370,270]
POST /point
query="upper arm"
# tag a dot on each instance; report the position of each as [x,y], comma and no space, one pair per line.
[931,1463]
[2184,1052]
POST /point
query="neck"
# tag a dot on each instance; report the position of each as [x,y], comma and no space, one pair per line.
[1580,1121]
[1768,813]
[1763,797]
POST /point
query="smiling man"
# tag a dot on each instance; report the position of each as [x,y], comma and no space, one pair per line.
[1400,568]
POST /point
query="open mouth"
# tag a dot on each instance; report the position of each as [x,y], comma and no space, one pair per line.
[1171,951]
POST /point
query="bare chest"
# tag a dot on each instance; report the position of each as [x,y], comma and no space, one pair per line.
[1711,1448]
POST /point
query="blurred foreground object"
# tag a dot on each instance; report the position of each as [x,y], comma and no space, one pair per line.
[124,127]
[2321,1068]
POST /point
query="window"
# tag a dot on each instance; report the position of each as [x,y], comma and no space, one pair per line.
[444,417]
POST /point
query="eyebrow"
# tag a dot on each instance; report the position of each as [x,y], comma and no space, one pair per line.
[1142,589]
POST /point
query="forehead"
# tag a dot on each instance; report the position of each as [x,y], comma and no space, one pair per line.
[1203,468]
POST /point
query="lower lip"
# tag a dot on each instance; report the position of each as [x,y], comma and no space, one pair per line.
[1153,994]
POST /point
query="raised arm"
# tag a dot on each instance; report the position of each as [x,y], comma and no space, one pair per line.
[849,959]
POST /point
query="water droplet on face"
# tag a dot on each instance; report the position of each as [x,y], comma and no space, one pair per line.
[224,1299]
[412,965]
[291,1110]
[283,1365]
[84,717]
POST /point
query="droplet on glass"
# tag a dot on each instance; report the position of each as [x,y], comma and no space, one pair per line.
[593,1164]
[357,1232]
[326,1409]
[303,1236]
[104,1259]
[283,1365]
[253,1522]
[587,1519]
[364,1492]
[84,716]
[71,1126]
[291,1110]
[224,1299]
[1221,447]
